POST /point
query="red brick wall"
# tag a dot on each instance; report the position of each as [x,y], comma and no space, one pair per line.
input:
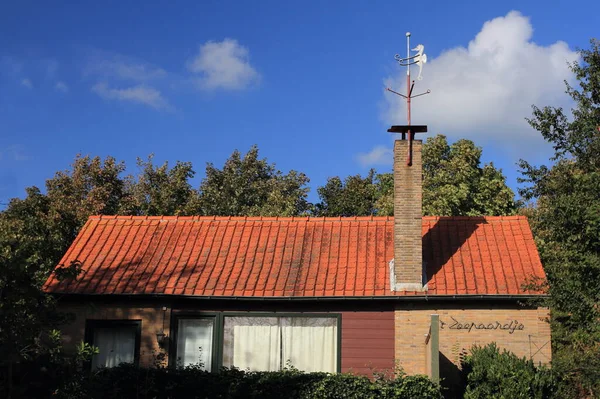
[152,318]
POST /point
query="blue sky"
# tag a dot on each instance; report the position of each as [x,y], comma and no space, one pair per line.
[192,81]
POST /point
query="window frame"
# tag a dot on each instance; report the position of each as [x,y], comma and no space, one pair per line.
[219,331]
[92,324]
[215,339]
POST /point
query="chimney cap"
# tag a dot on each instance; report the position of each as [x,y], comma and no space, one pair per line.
[406,128]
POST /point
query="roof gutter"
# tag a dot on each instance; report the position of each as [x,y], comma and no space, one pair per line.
[404,298]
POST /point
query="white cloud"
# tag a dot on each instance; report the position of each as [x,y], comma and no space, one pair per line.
[485,91]
[140,94]
[380,155]
[27,83]
[61,86]
[117,66]
[223,65]
[127,79]
[123,70]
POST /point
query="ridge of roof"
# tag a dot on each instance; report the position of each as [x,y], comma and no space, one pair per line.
[300,218]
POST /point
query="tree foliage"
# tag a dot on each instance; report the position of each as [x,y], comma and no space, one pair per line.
[250,186]
[160,190]
[454,184]
[91,187]
[30,240]
[357,196]
[566,223]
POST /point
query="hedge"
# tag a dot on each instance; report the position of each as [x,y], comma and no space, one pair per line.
[127,381]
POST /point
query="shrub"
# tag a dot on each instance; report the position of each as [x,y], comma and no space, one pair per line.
[127,381]
[413,386]
[493,374]
[345,386]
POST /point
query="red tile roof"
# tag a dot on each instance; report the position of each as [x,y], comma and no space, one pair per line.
[294,257]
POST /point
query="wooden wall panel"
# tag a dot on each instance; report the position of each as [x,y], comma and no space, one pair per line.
[367,342]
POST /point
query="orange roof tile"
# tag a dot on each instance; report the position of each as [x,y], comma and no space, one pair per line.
[294,257]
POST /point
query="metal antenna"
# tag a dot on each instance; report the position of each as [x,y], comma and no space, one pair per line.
[418,59]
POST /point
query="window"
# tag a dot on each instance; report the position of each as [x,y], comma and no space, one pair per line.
[195,342]
[259,342]
[118,341]
[271,343]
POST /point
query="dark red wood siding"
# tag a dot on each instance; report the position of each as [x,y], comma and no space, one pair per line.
[367,342]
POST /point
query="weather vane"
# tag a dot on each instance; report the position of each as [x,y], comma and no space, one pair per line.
[418,59]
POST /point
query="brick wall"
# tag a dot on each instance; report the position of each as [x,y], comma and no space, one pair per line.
[530,340]
[369,339]
[408,187]
[151,317]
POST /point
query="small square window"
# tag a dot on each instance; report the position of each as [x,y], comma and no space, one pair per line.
[118,341]
[195,342]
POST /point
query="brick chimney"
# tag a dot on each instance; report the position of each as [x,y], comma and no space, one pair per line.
[408,271]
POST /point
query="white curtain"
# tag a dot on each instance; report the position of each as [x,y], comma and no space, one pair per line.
[116,345]
[256,348]
[310,347]
[271,343]
[194,342]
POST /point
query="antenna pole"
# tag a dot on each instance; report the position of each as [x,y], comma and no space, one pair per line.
[419,59]
[408,93]
[408,77]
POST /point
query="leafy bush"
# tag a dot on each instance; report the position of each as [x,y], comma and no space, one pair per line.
[42,375]
[57,375]
[412,386]
[344,386]
[493,374]
[127,381]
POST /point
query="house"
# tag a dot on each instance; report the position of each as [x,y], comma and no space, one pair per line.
[324,294]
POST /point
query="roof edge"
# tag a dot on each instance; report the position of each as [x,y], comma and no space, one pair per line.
[399,298]
[298,218]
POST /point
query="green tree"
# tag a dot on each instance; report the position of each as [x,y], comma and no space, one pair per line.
[251,186]
[30,229]
[91,187]
[454,184]
[566,222]
[356,196]
[160,190]
[34,234]
[30,241]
